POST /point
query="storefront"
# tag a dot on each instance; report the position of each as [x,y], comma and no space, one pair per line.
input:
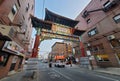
[118,57]
[10,57]
[11,54]
[114,41]
[101,58]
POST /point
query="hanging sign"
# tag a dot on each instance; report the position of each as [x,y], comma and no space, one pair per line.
[12,46]
[49,35]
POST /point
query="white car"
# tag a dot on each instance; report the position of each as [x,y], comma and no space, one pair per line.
[59,64]
[31,61]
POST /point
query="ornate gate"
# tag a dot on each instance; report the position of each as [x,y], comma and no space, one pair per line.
[55,26]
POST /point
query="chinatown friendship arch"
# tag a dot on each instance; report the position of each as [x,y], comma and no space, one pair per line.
[57,27]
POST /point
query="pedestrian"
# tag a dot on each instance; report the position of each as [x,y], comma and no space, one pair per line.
[50,64]
[70,63]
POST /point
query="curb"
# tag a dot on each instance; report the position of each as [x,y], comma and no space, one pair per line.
[107,72]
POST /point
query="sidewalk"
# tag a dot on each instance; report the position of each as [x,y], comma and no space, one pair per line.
[27,75]
[17,76]
[110,70]
[20,76]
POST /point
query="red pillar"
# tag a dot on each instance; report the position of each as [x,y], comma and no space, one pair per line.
[82,49]
[35,49]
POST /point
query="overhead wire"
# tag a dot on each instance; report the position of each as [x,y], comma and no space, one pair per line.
[43,8]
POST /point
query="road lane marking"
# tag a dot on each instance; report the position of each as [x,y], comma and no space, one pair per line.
[107,78]
[63,75]
[53,75]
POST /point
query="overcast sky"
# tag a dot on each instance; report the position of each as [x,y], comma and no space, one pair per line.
[67,8]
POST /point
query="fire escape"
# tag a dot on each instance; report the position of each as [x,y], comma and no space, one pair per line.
[109,5]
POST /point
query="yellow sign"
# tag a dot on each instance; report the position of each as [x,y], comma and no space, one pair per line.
[61,29]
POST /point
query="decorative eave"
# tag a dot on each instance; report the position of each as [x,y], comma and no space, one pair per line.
[78,32]
[39,23]
[50,16]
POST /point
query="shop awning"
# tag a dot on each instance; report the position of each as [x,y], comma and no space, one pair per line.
[21,54]
[6,32]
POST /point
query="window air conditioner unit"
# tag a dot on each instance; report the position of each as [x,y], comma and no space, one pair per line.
[110,37]
[7,31]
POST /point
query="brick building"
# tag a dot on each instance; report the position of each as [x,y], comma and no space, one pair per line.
[60,49]
[15,33]
[69,47]
[101,20]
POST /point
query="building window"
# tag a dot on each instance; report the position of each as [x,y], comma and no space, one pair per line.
[115,43]
[102,57]
[27,7]
[88,21]
[18,2]
[14,9]
[32,7]
[100,47]
[107,4]
[85,14]
[3,59]
[13,12]
[96,48]
[117,18]
[92,32]
[23,17]
[29,18]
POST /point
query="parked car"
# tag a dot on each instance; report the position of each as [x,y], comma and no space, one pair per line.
[31,61]
[44,61]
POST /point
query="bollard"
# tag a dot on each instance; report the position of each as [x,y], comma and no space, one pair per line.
[34,75]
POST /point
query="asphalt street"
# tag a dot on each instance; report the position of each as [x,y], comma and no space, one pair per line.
[72,74]
[44,73]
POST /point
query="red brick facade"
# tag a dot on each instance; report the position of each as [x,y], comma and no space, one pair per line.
[101,19]
[60,48]
[15,14]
